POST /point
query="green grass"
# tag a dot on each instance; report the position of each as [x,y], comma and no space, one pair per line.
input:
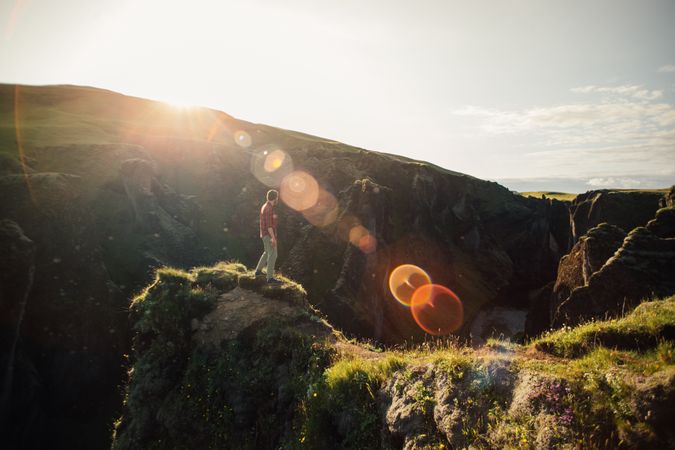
[642,329]
[288,290]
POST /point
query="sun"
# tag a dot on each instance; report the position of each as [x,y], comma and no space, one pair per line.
[177,101]
[179,104]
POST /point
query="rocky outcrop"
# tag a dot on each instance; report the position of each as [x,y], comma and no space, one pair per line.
[668,198]
[588,255]
[663,225]
[624,209]
[642,268]
[220,369]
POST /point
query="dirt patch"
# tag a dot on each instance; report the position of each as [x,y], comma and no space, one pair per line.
[235,311]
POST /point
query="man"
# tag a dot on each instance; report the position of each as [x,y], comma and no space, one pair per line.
[268,234]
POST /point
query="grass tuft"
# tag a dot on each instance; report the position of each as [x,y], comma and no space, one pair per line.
[642,329]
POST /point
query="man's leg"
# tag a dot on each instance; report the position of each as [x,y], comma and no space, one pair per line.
[271,258]
[267,244]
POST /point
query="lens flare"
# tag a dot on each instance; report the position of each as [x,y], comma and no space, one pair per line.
[404,280]
[299,190]
[324,212]
[271,165]
[436,309]
[356,234]
[274,161]
[345,225]
[368,243]
[243,139]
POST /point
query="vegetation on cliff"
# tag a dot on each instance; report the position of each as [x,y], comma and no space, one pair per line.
[280,376]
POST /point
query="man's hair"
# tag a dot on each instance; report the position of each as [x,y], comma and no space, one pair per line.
[272,195]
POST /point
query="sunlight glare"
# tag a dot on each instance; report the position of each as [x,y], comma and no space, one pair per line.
[404,280]
[243,139]
[274,160]
[270,165]
[436,309]
[299,190]
[324,212]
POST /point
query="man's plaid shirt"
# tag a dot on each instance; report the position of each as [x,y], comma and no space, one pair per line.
[268,219]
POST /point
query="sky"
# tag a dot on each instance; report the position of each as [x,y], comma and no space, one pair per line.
[563,95]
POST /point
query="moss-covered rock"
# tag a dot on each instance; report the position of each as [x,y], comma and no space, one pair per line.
[216,366]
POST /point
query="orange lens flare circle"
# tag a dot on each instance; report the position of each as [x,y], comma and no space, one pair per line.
[274,161]
[299,190]
[436,309]
[405,280]
[324,212]
[271,165]
[368,244]
[360,237]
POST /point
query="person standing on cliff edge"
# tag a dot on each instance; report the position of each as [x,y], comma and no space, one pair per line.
[268,234]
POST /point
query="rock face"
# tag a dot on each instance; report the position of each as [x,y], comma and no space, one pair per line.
[588,256]
[485,243]
[625,210]
[642,268]
[18,406]
[663,225]
[72,330]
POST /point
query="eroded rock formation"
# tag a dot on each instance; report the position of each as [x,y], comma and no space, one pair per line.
[624,209]
[642,268]
[588,256]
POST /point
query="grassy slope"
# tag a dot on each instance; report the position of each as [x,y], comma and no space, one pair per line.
[587,378]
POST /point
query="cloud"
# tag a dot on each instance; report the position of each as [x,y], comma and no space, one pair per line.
[617,131]
[668,68]
[612,182]
[590,122]
[631,90]
[583,184]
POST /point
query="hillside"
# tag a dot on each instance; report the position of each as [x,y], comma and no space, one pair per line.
[148,184]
